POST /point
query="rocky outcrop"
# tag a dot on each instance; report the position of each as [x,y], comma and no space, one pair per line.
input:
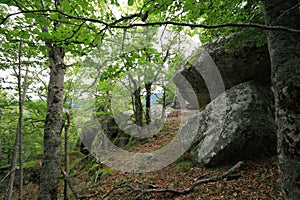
[109,127]
[237,125]
[248,62]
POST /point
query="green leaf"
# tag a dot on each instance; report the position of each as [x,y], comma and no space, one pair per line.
[130,2]
[7,2]
[25,35]
[54,16]
[2,30]
[66,6]
[36,31]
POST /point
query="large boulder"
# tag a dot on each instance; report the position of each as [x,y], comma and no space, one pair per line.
[242,64]
[237,125]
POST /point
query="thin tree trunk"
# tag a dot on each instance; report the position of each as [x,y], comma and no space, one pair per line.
[10,185]
[284,49]
[148,102]
[138,107]
[163,112]
[19,139]
[22,97]
[66,186]
[0,149]
[21,171]
[48,188]
[9,153]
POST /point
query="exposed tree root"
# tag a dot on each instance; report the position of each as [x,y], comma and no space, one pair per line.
[141,192]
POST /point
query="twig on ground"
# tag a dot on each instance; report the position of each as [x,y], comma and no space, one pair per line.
[122,185]
[141,192]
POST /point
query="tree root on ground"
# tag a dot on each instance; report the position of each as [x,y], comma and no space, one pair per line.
[153,188]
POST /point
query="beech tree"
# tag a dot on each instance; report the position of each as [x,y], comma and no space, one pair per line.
[284,49]
[75,26]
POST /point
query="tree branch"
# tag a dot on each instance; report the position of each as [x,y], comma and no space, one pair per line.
[73,33]
[205,26]
[11,171]
[285,13]
[126,18]
[193,185]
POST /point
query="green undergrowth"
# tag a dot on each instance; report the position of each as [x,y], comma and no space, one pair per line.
[31,164]
[26,165]
[86,164]
[184,164]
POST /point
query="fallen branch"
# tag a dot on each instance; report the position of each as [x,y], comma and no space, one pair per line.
[11,171]
[122,185]
[194,184]
[89,196]
[141,192]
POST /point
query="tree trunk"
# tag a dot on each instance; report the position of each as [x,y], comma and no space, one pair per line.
[138,106]
[67,126]
[10,185]
[19,139]
[48,188]
[163,112]
[22,96]
[284,49]
[0,150]
[148,102]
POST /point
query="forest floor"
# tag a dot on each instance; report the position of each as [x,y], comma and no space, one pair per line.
[254,179]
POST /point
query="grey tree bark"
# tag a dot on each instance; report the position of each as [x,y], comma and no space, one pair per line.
[284,49]
[18,151]
[22,95]
[48,188]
